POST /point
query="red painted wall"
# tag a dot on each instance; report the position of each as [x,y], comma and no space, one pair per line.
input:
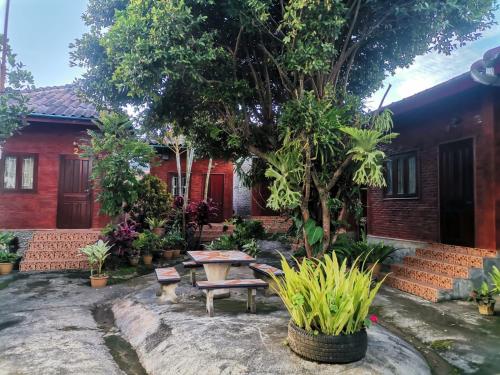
[423,130]
[38,210]
[166,168]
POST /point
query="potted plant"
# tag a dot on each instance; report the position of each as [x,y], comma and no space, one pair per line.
[7,260]
[484,299]
[377,254]
[146,244]
[172,244]
[156,225]
[328,305]
[96,255]
[495,279]
[134,257]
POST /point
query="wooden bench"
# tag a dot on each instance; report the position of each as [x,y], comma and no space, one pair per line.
[168,279]
[250,284]
[264,272]
[193,266]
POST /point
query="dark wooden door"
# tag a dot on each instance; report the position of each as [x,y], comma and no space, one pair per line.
[74,208]
[216,193]
[456,190]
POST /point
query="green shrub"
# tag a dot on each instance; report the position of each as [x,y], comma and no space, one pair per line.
[7,257]
[147,242]
[224,242]
[495,279]
[154,222]
[173,240]
[249,229]
[6,239]
[323,296]
[483,295]
[368,252]
[251,247]
[154,200]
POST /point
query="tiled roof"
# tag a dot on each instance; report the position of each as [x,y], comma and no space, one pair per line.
[59,101]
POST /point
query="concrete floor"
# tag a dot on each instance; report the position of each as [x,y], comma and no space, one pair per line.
[452,335]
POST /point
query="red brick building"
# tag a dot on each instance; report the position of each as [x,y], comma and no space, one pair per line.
[442,200]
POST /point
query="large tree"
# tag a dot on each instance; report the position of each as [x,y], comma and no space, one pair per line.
[282,80]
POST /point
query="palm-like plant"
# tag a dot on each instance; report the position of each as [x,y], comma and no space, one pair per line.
[324,296]
[495,278]
[96,255]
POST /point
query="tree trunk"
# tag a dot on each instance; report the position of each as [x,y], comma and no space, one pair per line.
[326,222]
[207,179]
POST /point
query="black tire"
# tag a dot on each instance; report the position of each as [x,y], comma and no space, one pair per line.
[326,348]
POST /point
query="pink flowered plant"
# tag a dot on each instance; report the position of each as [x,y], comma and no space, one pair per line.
[374,319]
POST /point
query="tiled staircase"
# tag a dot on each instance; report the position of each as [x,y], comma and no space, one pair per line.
[440,272]
[57,250]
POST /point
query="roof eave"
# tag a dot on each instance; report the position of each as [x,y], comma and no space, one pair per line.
[60,119]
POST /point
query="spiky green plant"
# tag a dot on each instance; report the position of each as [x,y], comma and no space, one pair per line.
[96,254]
[495,279]
[323,296]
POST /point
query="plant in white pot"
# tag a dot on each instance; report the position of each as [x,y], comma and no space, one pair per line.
[328,305]
[96,255]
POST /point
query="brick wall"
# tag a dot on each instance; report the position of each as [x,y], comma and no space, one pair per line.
[423,130]
[167,168]
[38,210]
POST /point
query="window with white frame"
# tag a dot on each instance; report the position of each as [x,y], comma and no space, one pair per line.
[18,172]
[175,185]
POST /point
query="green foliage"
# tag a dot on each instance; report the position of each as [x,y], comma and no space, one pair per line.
[96,255]
[495,278]
[8,257]
[483,295]
[154,199]
[224,242]
[323,296]
[249,229]
[251,247]
[119,159]
[6,239]
[13,104]
[155,222]
[173,240]
[367,252]
[147,242]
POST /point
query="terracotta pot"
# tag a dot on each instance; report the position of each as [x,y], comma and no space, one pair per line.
[327,348]
[376,268]
[177,253]
[134,261]
[6,268]
[168,254]
[159,231]
[147,259]
[98,281]
[487,309]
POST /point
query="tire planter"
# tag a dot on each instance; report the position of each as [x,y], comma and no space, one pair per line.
[6,268]
[326,348]
[98,281]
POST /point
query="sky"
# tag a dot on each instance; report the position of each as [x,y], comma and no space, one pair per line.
[40,32]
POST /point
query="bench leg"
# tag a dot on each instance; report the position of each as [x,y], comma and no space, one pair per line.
[193,277]
[168,293]
[251,305]
[210,302]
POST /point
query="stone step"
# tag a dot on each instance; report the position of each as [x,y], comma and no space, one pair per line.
[421,289]
[53,254]
[489,253]
[448,256]
[437,266]
[66,236]
[439,280]
[53,265]
[56,245]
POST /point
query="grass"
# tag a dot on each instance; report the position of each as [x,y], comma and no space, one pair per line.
[442,345]
[126,273]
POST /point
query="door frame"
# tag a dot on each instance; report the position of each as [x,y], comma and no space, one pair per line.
[474,179]
[63,157]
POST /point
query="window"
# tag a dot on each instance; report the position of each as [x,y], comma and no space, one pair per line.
[175,185]
[401,176]
[18,172]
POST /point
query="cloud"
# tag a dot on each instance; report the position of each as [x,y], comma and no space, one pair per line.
[433,68]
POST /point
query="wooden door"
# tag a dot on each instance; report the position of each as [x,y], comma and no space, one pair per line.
[216,193]
[74,208]
[456,190]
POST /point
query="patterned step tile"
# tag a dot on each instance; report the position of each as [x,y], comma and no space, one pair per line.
[439,280]
[437,266]
[53,265]
[51,255]
[56,245]
[418,288]
[57,235]
[490,253]
[461,259]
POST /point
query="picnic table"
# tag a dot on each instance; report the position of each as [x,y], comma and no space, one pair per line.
[217,264]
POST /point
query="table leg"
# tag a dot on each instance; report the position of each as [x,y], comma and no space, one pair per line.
[217,272]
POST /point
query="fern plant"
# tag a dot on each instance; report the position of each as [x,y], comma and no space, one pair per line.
[323,296]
